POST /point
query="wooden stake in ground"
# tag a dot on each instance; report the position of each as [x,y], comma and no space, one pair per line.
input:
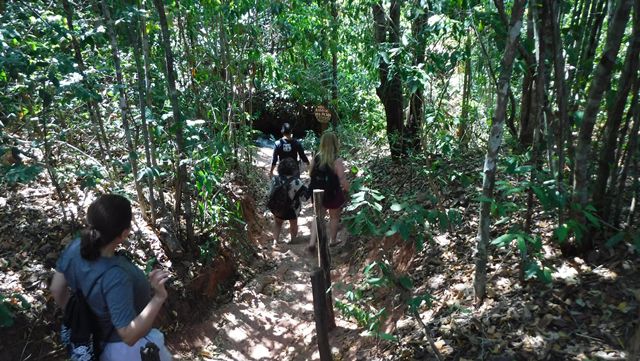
[318,286]
[324,257]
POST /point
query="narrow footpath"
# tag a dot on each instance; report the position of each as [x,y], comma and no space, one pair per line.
[271,318]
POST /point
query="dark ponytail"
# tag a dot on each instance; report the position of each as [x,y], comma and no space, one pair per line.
[108,216]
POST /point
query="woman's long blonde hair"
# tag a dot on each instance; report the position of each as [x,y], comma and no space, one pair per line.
[328,150]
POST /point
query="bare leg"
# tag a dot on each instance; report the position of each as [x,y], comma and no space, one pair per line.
[293,228]
[277,226]
[334,222]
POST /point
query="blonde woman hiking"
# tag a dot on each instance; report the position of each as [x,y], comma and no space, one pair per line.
[328,173]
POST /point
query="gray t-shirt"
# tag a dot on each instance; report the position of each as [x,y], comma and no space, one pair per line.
[119,295]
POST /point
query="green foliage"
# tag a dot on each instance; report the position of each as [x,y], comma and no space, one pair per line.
[365,202]
[20,173]
[371,212]
[215,211]
[358,301]
[9,305]
[530,248]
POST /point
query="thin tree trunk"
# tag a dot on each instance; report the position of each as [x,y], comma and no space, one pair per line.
[562,122]
[182,183]
[149,101]
[494,142]
[510,124]
[463,136]
[632,149]
[92,107]
[133,158]
[142,105]
[633,207]
[229,94]
[48,156]
[416,102]
[614,119]
[599,84]
[589,45]
[335,28]
[529,100]
[539,24]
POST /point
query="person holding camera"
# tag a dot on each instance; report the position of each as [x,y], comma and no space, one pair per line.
[124,301]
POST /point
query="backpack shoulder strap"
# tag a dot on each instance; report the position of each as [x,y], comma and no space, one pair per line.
[95,282]
[100,274]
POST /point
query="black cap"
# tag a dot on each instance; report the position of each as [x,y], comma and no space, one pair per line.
[286,128]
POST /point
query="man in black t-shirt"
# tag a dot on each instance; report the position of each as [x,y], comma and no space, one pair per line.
[287,147]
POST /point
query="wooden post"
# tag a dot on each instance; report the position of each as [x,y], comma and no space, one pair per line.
[324,257]
[318,286]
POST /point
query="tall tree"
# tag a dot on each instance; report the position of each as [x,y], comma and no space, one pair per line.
[387,34]
[182,182]
[599,84]
[606,161]
[561,122]
[416,101]
[136,41]
[494,142]
[122,102]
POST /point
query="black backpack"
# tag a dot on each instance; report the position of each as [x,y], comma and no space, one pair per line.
[324,178]
[81,330]
[279,202]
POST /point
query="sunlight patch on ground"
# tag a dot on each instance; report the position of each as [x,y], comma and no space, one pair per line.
[443,240]
[605,273]
[567,274]
[237,334]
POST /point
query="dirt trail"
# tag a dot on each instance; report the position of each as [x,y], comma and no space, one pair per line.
[272,317]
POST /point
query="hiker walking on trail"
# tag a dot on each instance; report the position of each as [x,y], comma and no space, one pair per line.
[288,147]
[328,173]
[122,302]
[285,195]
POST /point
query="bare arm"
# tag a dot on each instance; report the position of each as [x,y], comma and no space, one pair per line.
[274,159]
[141,325]
[59,289]
[340,171]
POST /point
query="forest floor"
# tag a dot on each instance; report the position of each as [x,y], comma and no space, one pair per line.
[588,312]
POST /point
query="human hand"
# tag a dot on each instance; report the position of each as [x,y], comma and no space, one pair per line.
[158,278]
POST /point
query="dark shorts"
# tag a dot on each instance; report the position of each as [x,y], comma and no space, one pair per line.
[335,202]
[289,215]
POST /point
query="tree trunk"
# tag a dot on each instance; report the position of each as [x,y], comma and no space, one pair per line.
[182,183]
[146,58]
[494,142]
[463,136]
[92,107]
[562,122]
[529,100]
[589,45]
[416,102]
[133,157]
[599,84]
[142,105]
[632,149]
[48,153]
[614,119]
[335,28]
[390,89]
